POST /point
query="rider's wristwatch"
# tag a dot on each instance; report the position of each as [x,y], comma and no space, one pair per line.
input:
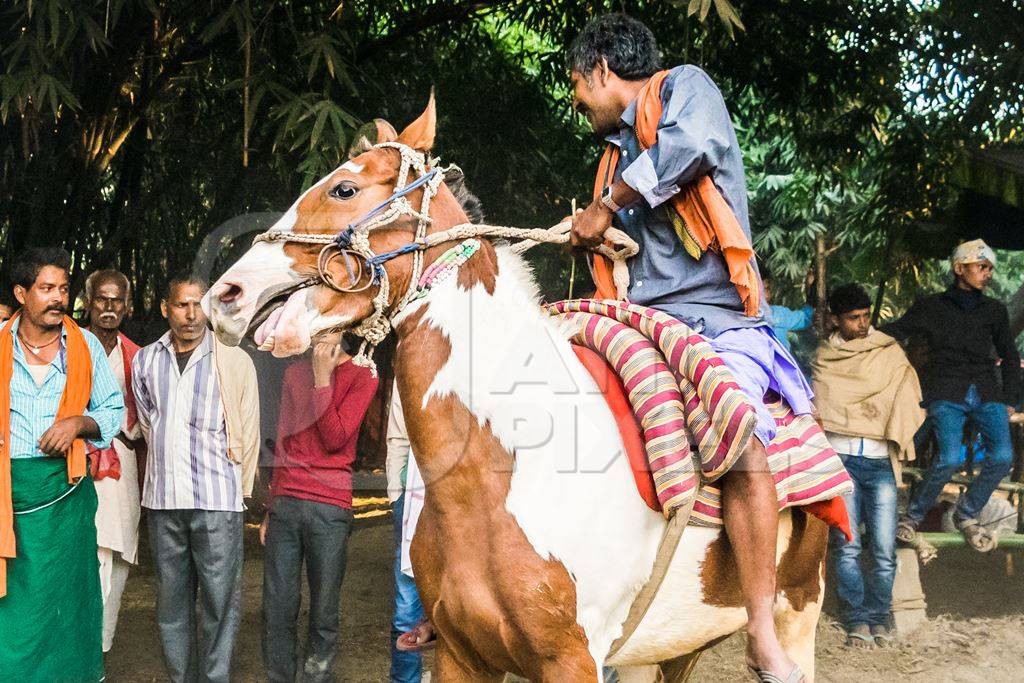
[608,201]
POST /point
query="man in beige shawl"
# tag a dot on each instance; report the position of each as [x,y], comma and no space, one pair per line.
[869,400]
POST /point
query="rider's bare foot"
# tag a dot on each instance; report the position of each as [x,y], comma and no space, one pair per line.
[765,653]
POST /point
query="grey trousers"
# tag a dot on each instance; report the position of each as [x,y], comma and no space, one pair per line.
[315,533]
[198,558]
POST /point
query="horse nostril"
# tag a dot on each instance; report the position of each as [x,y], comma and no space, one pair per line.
[230,294]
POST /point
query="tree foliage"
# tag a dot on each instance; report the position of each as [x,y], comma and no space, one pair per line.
[130,129]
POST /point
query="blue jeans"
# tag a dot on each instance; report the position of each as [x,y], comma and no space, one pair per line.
[406,667]
[949,419]
[867,598]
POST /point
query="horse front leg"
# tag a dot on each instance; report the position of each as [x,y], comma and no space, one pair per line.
[798,631]
[450,668]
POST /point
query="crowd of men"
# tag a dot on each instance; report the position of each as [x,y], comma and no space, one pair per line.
[877,410]
[94,429]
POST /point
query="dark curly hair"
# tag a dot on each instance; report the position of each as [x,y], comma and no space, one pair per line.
[28,264]
[848,297]
[627,44]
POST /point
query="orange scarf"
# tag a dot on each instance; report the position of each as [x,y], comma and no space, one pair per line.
[73,401]
[703,219]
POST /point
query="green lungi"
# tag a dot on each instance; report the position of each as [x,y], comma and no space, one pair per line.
[51,620]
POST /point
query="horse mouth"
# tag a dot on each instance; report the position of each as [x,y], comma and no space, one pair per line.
[272,299]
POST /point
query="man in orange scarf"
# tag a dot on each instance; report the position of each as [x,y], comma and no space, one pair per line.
[672,178]
[56,391]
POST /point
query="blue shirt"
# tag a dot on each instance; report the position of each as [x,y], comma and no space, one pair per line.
[785,320]
[34,408]
[695,137]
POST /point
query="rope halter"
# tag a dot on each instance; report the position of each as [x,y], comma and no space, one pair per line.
[352,247]
[354,241]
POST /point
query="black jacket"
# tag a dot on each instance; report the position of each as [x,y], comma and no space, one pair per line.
[964,332]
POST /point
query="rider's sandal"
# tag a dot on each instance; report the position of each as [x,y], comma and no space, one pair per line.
[795,676]
[860,636]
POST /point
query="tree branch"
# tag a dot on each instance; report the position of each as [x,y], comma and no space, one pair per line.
[436,15]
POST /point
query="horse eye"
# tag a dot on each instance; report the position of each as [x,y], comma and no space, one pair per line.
[344,190]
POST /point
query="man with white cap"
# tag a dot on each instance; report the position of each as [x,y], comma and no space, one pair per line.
[962,327]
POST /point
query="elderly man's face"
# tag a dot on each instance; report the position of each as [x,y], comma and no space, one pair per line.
[977,275]
[108,306]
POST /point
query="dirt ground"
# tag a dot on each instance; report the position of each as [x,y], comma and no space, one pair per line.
[976,630]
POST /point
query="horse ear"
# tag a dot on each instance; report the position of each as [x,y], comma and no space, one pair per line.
[369,134]
[420,133]
[385,131]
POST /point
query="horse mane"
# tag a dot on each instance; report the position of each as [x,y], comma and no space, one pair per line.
[455,179]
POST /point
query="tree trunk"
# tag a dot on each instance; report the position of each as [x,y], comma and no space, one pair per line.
[821,285]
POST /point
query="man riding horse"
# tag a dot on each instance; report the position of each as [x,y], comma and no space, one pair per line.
[528,495]
[669,134]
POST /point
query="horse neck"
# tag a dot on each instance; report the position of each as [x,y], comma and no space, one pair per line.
[457,350]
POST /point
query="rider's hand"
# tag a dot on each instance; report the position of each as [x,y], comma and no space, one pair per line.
[589,225]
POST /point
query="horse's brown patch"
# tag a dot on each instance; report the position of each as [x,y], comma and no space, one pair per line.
[798,574]
[496,604]
[719,576]
[482,269]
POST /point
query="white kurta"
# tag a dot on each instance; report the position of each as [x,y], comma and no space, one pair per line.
[415,490]
[117,516]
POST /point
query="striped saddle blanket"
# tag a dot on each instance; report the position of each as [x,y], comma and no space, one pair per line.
[689,419]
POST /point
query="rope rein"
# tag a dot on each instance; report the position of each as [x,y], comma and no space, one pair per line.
[355,240]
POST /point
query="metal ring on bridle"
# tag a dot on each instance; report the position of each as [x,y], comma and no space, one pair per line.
[331,252]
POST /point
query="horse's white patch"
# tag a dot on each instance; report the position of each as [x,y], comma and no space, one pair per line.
[263,266]
[286,223]
[679,619]
[572,490]
[352,167]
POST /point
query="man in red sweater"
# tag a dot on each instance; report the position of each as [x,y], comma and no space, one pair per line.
[323,401]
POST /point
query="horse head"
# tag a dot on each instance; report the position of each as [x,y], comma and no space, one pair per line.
[311,273]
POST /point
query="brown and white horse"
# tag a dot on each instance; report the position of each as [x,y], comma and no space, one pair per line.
[533,542]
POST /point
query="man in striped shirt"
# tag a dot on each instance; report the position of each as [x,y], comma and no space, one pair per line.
[198,407]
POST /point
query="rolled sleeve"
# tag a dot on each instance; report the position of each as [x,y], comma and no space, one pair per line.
[106,403]
[643,177]
[693,137]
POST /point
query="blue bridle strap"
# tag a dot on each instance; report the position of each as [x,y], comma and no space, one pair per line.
[345,236]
